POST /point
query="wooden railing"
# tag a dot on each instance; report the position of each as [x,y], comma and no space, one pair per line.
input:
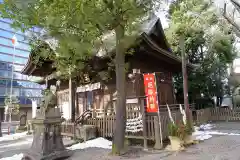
[218,114]
[68,129]
[106,123]
[105,126]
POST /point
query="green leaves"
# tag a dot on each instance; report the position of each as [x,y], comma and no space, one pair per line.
[78,25]
[207,43]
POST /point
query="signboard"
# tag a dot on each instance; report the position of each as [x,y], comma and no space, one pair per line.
[132,101]
[89,87]
[151,93]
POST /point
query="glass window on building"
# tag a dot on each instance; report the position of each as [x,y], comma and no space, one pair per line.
[2,99]
[17,67]
[15,91]
[18,76]
[8,66]
[8,74]
[6,25]
[28,93]
[8,58]
[7,41]
[10,50]
[2,91]
[31,92]
[3,82]
[4,74]
[13,83]
[3,66]
[24,77]
[21,86]
[28,84]
[7,34]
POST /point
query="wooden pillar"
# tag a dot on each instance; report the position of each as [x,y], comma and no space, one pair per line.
[72,99]
[138,85]
[144,124]
[77,103]
[157,133]
[173,90]
[104,123]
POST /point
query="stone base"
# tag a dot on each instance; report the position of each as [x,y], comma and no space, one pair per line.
[20,129]
[188,140]
[175,144]
[64,154]
[47,140]
[86,132]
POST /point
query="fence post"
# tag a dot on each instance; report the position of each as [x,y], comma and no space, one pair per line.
[104,125]
[74,131]
[144,125]
[157,133]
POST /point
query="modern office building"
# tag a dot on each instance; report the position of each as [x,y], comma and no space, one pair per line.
[15,60]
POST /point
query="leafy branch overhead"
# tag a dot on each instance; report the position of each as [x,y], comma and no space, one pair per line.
[79,33]
[74,23]
[81,27]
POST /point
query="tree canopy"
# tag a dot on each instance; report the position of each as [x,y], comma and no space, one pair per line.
[209,44]
[81,28]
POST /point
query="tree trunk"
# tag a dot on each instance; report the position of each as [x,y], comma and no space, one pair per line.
[120,124]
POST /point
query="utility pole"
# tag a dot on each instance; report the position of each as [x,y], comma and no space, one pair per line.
[185,77]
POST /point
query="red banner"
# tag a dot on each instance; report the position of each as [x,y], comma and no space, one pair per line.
[151,93]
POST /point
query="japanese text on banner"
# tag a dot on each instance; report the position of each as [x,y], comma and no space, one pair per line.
[151,93]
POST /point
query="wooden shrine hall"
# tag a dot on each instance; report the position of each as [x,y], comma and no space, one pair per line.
[151,54]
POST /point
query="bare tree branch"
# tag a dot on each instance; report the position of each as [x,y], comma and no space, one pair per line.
[230,20]
[236,5]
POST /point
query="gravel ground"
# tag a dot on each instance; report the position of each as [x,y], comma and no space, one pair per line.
[10,148]
[216,148]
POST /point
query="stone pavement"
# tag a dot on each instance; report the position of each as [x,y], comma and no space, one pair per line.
[10,148]
[216,148]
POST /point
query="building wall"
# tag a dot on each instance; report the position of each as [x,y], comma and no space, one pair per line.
[63,103]
[105,99]
[15,60]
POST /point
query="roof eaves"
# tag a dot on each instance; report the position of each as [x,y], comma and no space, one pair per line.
[162,51]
